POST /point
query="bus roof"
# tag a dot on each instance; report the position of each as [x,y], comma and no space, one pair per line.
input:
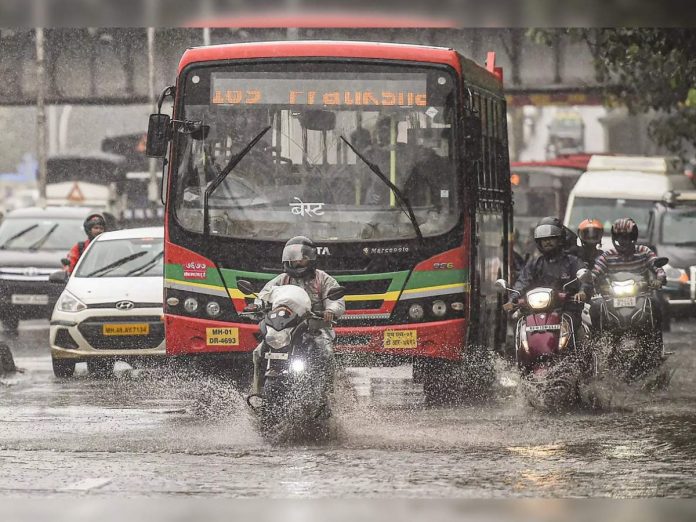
[329,49]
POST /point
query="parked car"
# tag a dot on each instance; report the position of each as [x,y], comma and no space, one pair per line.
[32,243]
[111,306]
[672,234]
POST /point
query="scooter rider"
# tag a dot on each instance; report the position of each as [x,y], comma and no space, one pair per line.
[569,240]
[627,256]
[553,268]
[299,265]
[590,233]
[94,225]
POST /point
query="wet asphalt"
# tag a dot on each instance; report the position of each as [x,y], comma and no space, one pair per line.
[160,433]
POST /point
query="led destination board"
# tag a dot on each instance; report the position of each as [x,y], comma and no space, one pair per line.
[411,91]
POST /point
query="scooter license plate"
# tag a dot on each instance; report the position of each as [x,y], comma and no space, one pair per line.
[624,302]
[278,356]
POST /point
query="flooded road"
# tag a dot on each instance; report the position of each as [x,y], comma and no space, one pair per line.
[155,433]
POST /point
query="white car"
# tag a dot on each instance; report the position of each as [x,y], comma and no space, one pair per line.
[111,308]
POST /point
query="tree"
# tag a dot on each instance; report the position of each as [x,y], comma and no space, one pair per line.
[646,69]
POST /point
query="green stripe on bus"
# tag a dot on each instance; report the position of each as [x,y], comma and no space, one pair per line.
[437,278]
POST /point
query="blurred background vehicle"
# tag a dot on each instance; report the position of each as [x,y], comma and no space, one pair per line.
[111,307]
[32,243]
[566,134]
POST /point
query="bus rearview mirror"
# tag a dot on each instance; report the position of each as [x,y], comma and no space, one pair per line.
[157,135]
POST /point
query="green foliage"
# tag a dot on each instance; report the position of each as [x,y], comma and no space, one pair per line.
[645,69]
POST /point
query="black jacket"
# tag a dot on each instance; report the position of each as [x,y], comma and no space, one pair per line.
[549,272]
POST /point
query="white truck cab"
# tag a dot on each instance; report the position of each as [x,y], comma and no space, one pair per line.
[623,186]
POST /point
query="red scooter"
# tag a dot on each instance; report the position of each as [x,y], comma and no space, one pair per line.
[548,345]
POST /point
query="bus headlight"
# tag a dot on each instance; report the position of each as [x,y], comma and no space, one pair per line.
[191,305]
[439,308]
[212,309]
[416,312]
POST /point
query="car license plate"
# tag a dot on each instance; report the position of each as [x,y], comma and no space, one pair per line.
[279,356]
[29,299]
[126,329]
[624,302]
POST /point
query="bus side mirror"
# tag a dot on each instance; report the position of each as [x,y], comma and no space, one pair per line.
[157,135]
[471,126]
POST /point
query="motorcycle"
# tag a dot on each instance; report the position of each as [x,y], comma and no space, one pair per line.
[629,317]
[548,346]
[298,377]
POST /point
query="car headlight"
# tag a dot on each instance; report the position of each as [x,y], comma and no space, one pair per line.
[69,303]
[278,339]
[539,299]
[677,275]
[624,288]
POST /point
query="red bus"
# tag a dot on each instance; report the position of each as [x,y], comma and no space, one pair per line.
[392,158]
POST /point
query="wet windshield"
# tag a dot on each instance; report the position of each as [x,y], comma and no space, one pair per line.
[678,227]
[301,177]
[40,234]
[136,257]
[609,210]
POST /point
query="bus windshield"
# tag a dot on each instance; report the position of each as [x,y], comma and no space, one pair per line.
[301,177]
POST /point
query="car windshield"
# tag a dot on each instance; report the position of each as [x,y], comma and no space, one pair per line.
[678,227]
[302,177]
[37,233]
[609,210]
[134,257]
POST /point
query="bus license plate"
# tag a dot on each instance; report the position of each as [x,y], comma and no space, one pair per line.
[126,329]
[29,299]
[222,336]
[624,302]
[398,339]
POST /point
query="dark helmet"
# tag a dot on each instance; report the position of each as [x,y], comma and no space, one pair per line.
[93,220]
[548,231]
[624,234]
[297,249]
[590,232]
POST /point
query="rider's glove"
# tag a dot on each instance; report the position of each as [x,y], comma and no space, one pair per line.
[580,297]
[328,316]
[509,306]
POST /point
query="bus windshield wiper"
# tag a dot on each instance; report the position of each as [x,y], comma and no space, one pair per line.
[39,243]
[145,266]
[112,266]
[404,203]
[18,235]
[234,161]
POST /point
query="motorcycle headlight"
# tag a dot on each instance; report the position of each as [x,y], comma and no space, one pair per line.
[69,303]
[676,275]
[297,366]
[539,299]
[278,339]
[624,288]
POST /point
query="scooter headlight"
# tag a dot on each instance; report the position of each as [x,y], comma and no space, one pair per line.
[297,366]
[624,288]
[539,299]
[277,339]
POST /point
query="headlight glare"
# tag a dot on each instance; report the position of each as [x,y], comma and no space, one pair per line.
[539,299]
[297,365]
[624,288]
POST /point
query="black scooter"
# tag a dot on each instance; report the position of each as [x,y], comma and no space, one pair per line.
[299,376]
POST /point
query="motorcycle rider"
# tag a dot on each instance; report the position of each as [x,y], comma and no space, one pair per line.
[299,265]
[94,225]
[552,268]
[569,241]
[590,233]
[627,256]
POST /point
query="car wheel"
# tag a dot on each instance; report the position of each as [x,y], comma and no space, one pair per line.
[100,368]
[63,367]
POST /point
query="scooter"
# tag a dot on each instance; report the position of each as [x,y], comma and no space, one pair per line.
[298,377]
[628,317]
[548,347]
